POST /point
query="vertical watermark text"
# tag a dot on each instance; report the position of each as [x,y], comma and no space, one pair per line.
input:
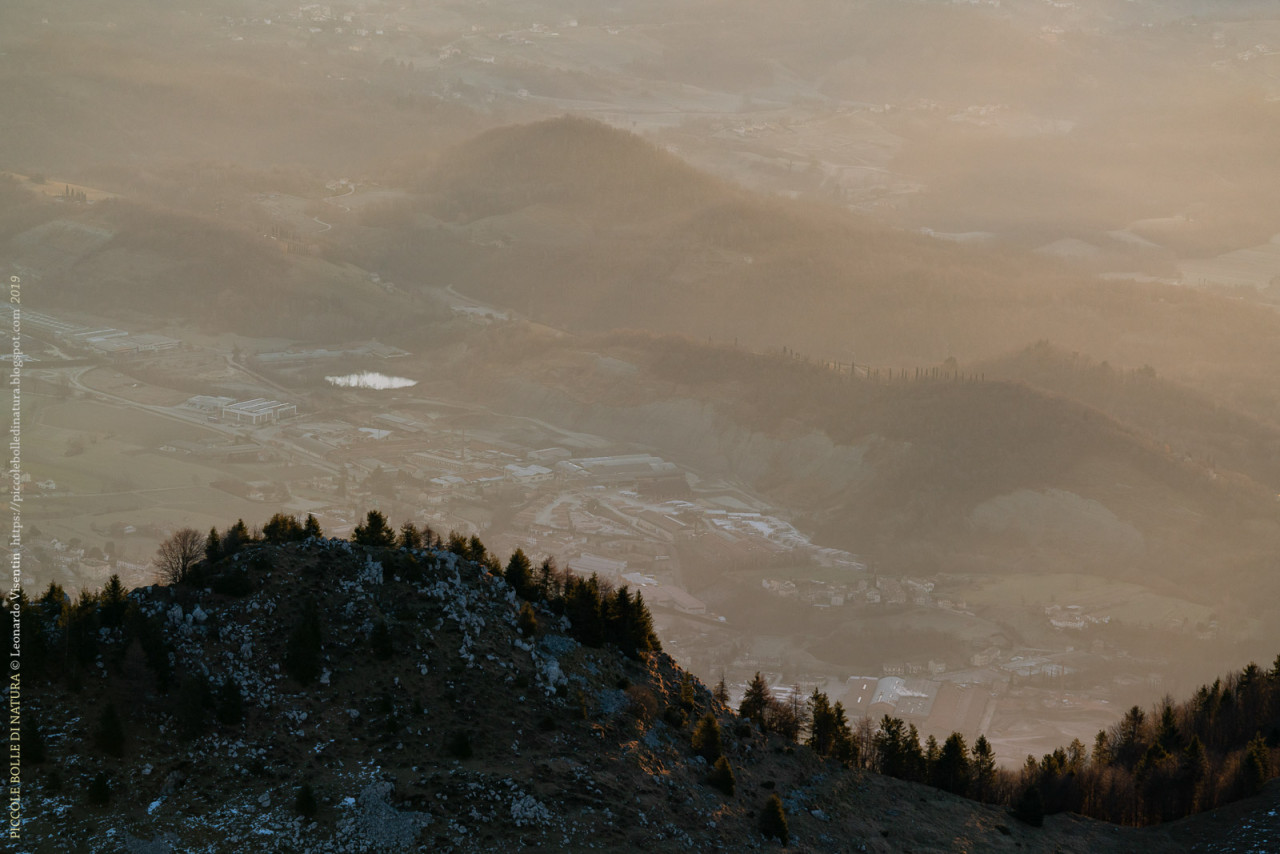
[13,682]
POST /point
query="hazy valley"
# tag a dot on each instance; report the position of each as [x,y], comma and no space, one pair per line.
[920,353]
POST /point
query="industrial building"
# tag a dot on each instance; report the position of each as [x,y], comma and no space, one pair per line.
[258,411]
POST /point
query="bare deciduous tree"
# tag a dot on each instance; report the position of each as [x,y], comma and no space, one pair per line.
[178,553]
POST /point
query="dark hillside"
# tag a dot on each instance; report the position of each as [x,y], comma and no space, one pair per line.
[324,696]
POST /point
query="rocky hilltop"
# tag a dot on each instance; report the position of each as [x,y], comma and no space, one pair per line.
[323,696]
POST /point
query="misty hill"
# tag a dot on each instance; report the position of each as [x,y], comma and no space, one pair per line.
[1187,421]
[332,697]
[119,257]
[670,249]
[659,246]
[568,162]
[945,474]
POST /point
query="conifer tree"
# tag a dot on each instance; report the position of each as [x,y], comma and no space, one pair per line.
[644,638]
[707,742]
[547,582]
[822,727]
[773,821]
[476,550]
[1029,807]
[722,778]
[688,698]
[984,767]
[410,537]
[212,547]
[374,531]
[519,574]
[311,528]
[53,597]
[235,538]
[112,602]
[755,701]
[583,608]
[527,621]
[283,528]
[952,770]
[721,691]
[1256,768]
[846,748]
[458,544]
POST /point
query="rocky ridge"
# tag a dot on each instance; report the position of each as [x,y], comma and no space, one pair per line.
[456,732]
